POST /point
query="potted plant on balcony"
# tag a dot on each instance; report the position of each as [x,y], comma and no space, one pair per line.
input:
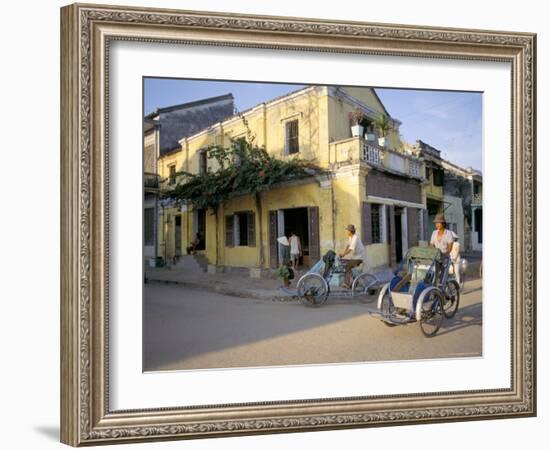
[355,118]
[383,125]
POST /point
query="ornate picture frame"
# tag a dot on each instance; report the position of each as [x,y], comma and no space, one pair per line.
[86,34]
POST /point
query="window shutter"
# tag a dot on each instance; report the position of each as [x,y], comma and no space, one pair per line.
[273,247]
[291,144]
[251,230]
[202,161]
[229,231]
[366,223]
[314,245]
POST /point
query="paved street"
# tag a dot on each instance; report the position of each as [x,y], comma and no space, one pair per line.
[187,328]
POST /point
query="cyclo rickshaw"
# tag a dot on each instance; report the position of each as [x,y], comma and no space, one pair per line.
[423,292]
[314,286]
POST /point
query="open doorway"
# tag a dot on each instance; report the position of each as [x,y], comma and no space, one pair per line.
[478,225]
[398,235]
[178,235]
[434,207]
[199,228]
[367,125]
[296,221]
[304,222]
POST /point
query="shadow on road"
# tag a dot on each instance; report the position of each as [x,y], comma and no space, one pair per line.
[467,316]
[472,290]
[187,323]
[182,324]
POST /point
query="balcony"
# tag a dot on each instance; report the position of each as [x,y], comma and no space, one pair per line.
[150,181]
[357,149]
[477,199]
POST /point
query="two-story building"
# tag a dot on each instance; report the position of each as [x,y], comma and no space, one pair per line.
[377,188]
[454,191]
[162,130]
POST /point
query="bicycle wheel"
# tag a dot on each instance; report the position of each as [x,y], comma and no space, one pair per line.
[387,308]
[312,290]
[361,286]
[431,313]
[451,299]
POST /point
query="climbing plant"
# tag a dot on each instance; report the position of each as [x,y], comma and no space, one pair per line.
[241,168]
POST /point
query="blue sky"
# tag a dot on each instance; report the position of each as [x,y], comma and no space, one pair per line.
[447,120]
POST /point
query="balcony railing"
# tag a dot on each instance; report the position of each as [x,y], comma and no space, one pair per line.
[371,153]
[414,168]
[355,149]
[391,160]
[150,180]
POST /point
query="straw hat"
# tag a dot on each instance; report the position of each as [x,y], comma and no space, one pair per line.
[440,218]
[351,228]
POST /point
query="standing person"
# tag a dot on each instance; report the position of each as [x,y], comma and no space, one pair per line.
[295,249]
[442,238]
[353,254]
[284,271]
[456,260]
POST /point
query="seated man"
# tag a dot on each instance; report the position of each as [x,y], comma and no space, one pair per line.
[353,253]
[195,244]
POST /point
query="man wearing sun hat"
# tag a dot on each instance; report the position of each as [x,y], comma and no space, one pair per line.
[353,254]
[442,238]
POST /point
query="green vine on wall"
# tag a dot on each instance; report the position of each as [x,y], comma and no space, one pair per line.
[242,168]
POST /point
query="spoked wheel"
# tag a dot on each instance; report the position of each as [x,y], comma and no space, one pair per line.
[431,314]
[312,290]
[387,308]
[452,298]
[361,286]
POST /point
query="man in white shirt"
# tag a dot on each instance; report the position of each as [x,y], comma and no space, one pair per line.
[353,253]
[442,238]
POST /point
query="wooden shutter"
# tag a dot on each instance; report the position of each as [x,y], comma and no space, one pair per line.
[273,248]
[413,224]
[251,229]
[202,162]
[366,223]
[229,242]
[391,228]
[292,145]
[314,244]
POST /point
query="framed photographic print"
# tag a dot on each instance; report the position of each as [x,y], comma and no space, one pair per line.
[276,224]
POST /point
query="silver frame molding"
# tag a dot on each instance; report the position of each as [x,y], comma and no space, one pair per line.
[86,32]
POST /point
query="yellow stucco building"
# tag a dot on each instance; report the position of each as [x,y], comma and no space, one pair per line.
[378,188]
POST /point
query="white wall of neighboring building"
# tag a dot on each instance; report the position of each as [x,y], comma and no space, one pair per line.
[454,215]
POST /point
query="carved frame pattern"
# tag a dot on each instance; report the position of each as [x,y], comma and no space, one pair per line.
[86,418]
